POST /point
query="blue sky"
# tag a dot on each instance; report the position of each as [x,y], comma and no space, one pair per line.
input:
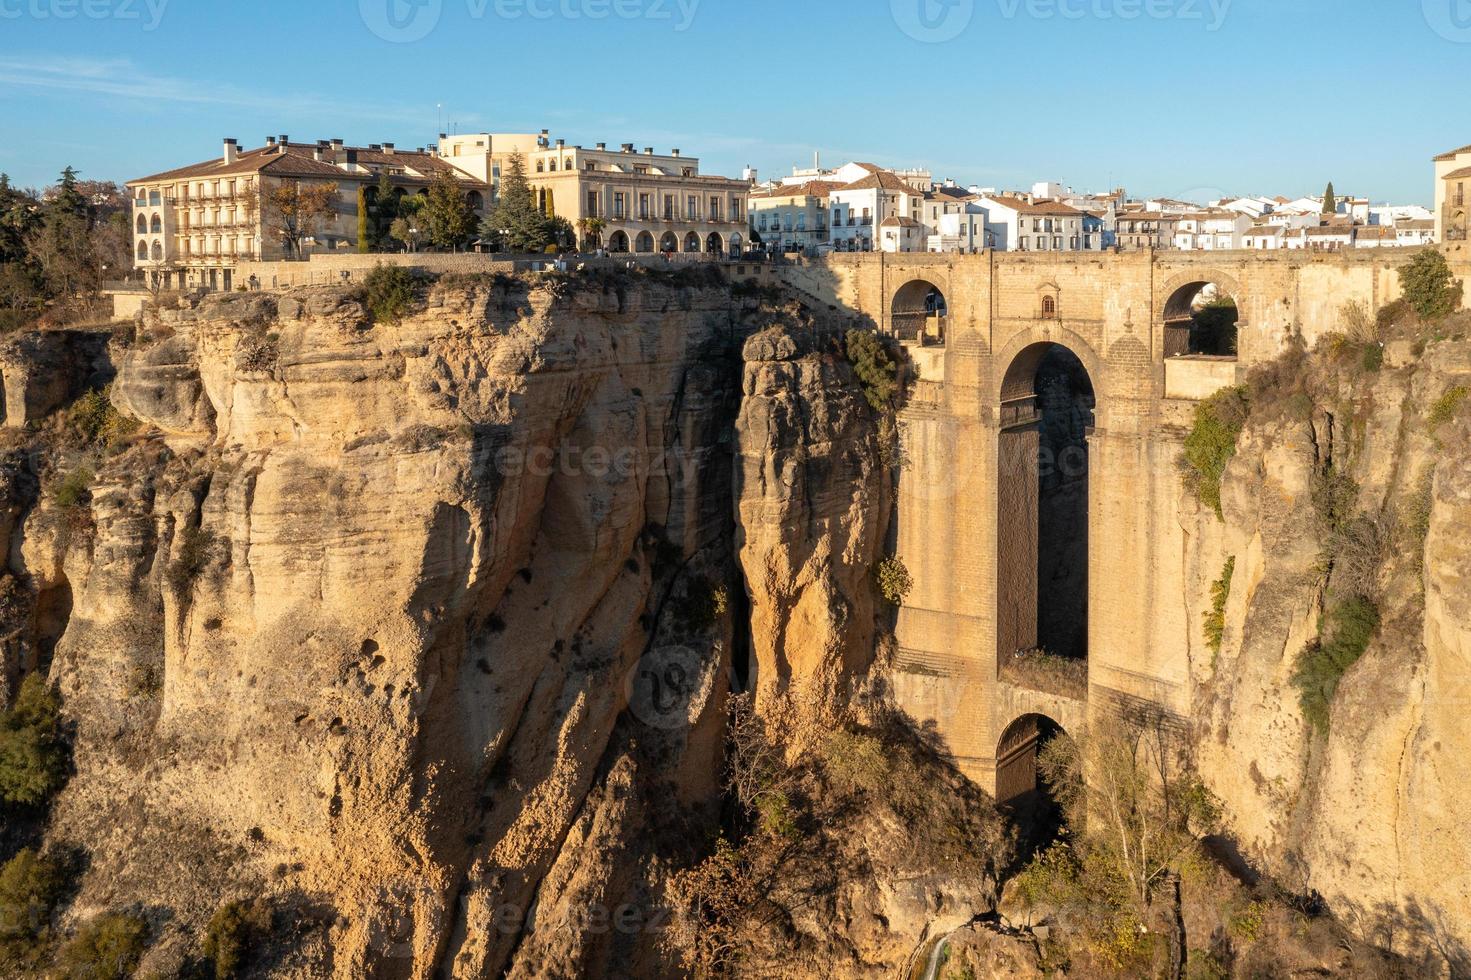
[1167,97]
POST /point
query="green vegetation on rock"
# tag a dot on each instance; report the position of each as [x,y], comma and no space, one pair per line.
[876,369]
[1212,442]
[32,753]
[1215,617]
[1429,287]
[1350,625]
[894,581]
[389,292]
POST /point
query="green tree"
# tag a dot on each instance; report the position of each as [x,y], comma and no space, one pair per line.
[1330,203]
[447,217]
[66,198]
[1429,287]
[515,223]
[32,754]
[384,210]
[365,243]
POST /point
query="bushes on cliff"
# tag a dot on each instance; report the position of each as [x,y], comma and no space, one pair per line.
[876,369]
[95,421]
[32,752]
[893,580]
[32,885]
[197,549]
[388,292]
[1428,286]
[1212,442]
[1215,617]
[107,948]
[1349,626]
[232,931]
[74,487]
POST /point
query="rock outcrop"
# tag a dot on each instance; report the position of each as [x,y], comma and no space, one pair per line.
[1372,813]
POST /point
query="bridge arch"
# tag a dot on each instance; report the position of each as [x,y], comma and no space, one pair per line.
[1017,751]
[919,311]
[1190,300]
[1047,403]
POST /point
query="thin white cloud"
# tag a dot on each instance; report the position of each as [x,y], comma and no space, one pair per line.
[121,79]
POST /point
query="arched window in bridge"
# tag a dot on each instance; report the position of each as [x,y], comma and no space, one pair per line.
[1049,308]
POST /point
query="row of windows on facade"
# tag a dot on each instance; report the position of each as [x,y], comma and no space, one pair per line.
[199,189]
[225,246]
[670,210]
[219,218]
[549,165]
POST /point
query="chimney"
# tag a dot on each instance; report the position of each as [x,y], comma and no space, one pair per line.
[627,148]
[674,152]
[648,151]
[232,151]
[388,148]
[318,152]
[375,147]
[337,144]
[561,143]
[602,146]
[270,141]
[352,156]
[283,139]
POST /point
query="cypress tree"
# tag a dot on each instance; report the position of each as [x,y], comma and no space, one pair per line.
[1330,203]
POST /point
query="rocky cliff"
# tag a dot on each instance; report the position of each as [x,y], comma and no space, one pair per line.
[420,626]
[1348,493]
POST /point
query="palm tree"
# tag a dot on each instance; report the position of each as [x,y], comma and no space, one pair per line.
[591,229]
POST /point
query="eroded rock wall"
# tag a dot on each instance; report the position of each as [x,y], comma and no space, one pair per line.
[1371,814]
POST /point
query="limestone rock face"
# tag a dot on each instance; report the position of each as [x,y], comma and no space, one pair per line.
[1372,813]
[411,626]
[44,369]
[359,627]
[814,508]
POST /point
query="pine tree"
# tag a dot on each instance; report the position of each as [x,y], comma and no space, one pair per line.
[66,199]
[1330,203]
[516,224]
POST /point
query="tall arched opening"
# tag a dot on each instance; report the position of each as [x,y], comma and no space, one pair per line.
[1201,320]
[918,311]
[1047,414]
[1021,789]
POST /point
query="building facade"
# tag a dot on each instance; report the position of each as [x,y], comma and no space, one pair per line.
[193,225]
[1452,182]
[792,217]
[622,200]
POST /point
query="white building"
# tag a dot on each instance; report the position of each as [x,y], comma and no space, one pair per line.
[1416,231]
[962,231]
[860,208]
[1037,226]
[1265,237]
[1211,230]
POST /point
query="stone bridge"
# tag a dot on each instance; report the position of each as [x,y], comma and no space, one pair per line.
[995,499]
